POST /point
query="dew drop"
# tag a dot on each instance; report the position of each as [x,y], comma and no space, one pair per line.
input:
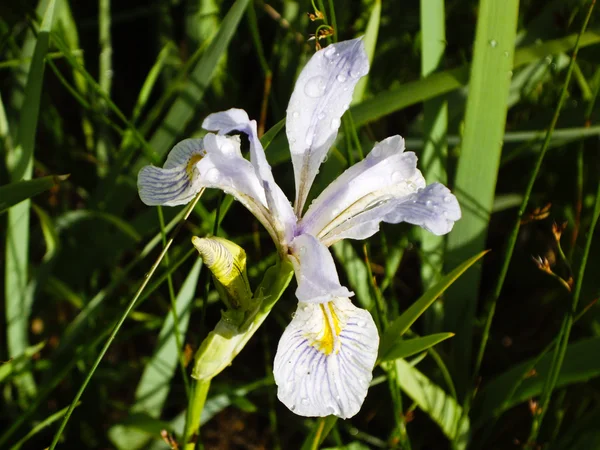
[346,106]
[397,177]
[335,124]
[305,308]
[330,53]
[506,54]
[355,73]
[321,116]
[295,114]
[315,87]
[447,198]
[428,203]
[445,213]
[292,140]
[302,250]
[376,151]
[341,78]
[304,401]
[493,43]
[213,175]
[325,158]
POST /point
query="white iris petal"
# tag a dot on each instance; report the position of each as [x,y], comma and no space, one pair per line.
[325,359]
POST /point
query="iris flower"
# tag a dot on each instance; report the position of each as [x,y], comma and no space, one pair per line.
[326,355]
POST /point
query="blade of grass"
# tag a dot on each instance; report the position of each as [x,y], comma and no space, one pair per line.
[20,164]
[401,324]
[409,347]
[14,193]
[182,111]
[433,158]
[370,42]
[105,82]
[475,183]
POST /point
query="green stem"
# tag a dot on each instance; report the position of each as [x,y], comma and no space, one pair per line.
[194,413]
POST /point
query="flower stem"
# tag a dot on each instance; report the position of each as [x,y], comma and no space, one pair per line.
[194,413]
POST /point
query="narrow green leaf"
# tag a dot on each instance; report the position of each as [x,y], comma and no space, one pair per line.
[321,429]
[14,193]
[370,42]
[399,326]
[20,165]
[438,405]
[405,348]
[13,366]
[476,174]
[186,104]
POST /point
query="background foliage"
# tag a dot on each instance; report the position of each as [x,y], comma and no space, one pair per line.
[98,89]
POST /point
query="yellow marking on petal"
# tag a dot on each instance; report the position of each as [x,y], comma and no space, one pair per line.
[191,163]
[328,341]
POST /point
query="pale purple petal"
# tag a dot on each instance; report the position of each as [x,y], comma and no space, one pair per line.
[279,206]
[325,359]
[315,271]
[386,172]
[321,95]
[177,183]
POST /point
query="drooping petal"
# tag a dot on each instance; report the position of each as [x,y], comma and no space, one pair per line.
[322,93]
[176,183]
[317,277]
[238,120]
[384,187]
[325,358]
[212,162]
[433,208]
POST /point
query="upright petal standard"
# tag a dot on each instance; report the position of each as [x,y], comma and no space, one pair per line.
[325,358]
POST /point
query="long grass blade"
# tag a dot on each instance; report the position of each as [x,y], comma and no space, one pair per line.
[477,169]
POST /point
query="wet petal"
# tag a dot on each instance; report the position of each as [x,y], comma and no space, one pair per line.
[321,95]
[176,183]
[238,120]
[315,271]
[325,358]
[386,172]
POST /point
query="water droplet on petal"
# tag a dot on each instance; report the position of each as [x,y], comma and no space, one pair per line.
[304,401]
[341,78]
[330,53]
[321,116]
[355,73]
[292,140]
[302,250]
[447,198]
[493,43]
[213,175]
[445,213]
[397,177]
[295,114]
[325,158]
[315,87]
[428,203]
[305,308]
[346,106]
[335,123]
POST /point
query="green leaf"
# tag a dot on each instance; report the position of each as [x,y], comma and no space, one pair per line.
[20,165]
[404,348]
[399,326]
[476,175]
[370,42]
[12,367]
[14,193]
[436,403]
[320,430]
